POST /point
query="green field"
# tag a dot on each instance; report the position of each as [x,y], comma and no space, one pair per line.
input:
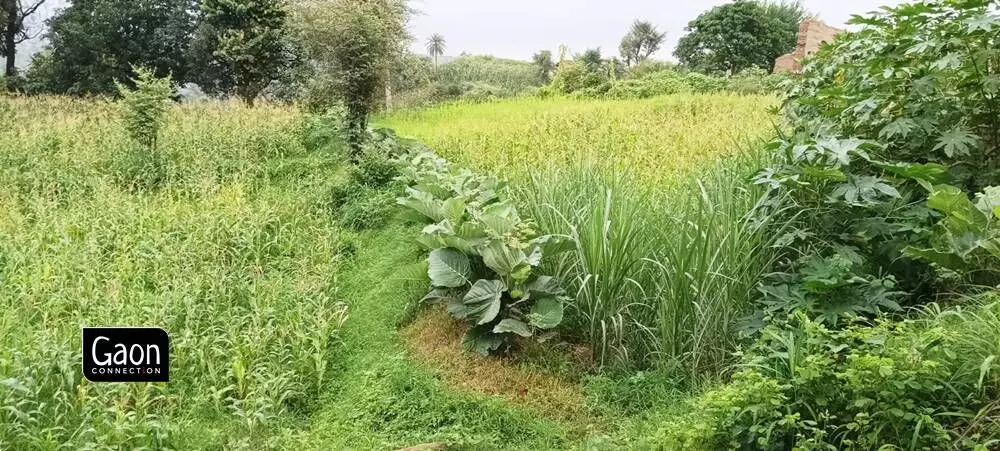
[283,322]
[659,138]
[283,317]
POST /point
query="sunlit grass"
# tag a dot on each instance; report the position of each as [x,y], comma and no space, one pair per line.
[655,194]
[658,139]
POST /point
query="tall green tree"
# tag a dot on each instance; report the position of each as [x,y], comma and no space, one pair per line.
[243,44]
[96,42]
[14,29]
[546,66]
[739,35]
[641,42]
[356,43]
[591,59]
[435,47]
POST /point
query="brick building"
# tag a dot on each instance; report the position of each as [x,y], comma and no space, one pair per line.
[812,33]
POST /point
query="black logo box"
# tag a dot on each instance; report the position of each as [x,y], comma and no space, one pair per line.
[126,354]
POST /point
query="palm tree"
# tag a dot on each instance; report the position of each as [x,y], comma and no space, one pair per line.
[435,47]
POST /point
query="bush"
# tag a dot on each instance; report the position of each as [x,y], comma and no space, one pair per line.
[656,84]
[928,382]
[893,127]
[142,165]
[574,76]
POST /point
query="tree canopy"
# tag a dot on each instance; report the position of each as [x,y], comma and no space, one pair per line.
[736,36]
[96,42]
[640,43]
[358,42]
[245,45]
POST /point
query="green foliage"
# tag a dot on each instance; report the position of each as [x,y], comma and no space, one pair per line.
[545,65]
[660,276]
[669,81]
[435,46]
[357,42]
[234,256]
[484,257]
[883,121]
[577,76]
[144,106]
[508,76]
[640,43]
[103,39]
[915,384]
[762,32]
[247,41]
[142,165]
[965,243]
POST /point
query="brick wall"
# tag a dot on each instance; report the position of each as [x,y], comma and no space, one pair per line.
[812,33]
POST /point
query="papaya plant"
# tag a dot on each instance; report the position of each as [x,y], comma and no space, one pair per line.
[483,257]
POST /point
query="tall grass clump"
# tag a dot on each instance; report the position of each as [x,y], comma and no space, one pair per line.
[662,275]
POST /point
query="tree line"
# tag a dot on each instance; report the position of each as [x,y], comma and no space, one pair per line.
[323,51]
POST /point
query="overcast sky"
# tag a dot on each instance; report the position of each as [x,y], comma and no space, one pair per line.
[519,28]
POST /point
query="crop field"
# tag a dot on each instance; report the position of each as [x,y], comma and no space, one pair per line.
[265,286]
[659,138]
[330,239]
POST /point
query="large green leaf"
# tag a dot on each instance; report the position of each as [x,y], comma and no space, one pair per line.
[988,201]
[504,260]
[481,340]
[448,268]
[548,245]
[483,300]
[962,213]
[544,286]
[453,209]
[927,174]
[423,203]
[546,313]
[948,260]
[511,325]
[500,218]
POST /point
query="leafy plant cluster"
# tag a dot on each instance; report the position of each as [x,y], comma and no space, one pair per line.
[142,165]
[892,128]
[916,384]
[569,79]
[484,258]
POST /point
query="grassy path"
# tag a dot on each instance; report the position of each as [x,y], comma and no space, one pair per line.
[378,398]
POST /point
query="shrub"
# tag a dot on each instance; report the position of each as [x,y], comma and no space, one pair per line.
[142,165]
[804,386]
[574,76]
[484,257]
[888,124]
